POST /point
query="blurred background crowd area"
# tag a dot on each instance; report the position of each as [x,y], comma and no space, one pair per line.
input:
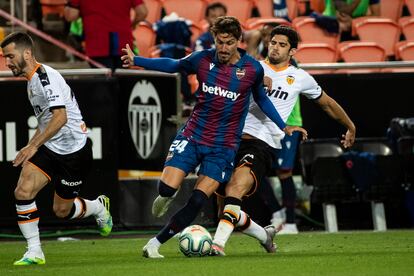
[376,30]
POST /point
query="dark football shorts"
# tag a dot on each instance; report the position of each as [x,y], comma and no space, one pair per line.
[258,156]
[67,172]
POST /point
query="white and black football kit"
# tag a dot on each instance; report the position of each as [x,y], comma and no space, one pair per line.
[286,85]
[65,158]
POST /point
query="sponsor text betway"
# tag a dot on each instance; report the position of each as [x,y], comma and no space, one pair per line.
[216,90]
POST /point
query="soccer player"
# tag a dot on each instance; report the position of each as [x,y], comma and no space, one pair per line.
[284,83]
[59,152]
[227,78]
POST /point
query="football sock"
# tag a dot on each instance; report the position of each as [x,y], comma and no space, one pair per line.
[251,228]
[183,217]
[231,214]
[289,198]
[83,208]
[28,220]
[164,190]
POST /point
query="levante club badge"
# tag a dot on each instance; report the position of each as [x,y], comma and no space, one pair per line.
[240,73]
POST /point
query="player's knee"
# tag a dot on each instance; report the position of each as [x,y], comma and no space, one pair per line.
[198,199]
[61,211]
[23,193]
[164,190]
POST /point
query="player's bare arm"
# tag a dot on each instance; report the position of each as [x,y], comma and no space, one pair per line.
[334,110]
[58,120]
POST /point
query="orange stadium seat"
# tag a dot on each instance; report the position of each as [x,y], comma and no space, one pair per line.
[189,9]
[258,22]
[383,31]
[293,7]
[3,66]
[310,32]
[391,9]
[359,51]
[265,7]
[144,37]
[315,53]
[317,5]
[410,6]
[404,50]
[53,7]
[241,9]
[407,27]
[154,10]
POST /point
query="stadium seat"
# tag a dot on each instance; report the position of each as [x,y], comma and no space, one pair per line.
[404,50]
[360,51]
[154,10]
[196,31]
[258,22]
[316,53]
[293,7]
[265,7]
[3,66]
[53,7]
[383,31]
[190,9]
[317,5]
[410,6]
[391,9]
[241,9]
[407,27]
[144,37]
[310,32]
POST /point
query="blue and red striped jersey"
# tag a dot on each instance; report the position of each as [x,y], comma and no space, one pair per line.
[223,97]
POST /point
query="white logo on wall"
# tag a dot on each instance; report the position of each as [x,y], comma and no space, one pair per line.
[144,117]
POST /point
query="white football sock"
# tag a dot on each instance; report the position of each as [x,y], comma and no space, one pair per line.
[92,207]
[29,226]
[254,230]
[226,227]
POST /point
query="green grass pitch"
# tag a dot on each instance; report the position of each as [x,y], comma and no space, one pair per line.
[309,253]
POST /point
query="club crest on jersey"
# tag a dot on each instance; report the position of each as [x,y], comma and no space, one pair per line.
[290,79]
[144,117]
[240,73]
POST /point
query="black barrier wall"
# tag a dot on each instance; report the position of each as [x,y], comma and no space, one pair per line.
[371,100]
[148,103]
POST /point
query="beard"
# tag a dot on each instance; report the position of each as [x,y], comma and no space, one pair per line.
[17,70]
[274,60]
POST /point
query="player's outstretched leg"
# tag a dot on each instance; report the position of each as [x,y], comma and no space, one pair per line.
[28,220]
[264,235]
[103,217]
[150,250]
[163,201]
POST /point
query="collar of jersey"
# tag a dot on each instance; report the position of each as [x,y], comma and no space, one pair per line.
[29,77]
[274,68]
[238,63]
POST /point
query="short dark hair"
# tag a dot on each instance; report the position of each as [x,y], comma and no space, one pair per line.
[213,6]
[22,41]
[227,24]
[292,35]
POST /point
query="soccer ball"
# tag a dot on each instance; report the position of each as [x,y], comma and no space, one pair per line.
[195,241]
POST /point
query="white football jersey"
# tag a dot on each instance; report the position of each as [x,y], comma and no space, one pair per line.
[47,89]
[287,84]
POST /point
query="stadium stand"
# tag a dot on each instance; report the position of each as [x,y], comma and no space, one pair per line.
[383,31]
[392,9]
[264,7]
[404,50]
[360,51]
[315,53]
[53,7]
[310,32]
[154,10]
[259,22]
[410,6]
[189,9]
[144,37]
[317,5]
[242,9]
[407,27]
